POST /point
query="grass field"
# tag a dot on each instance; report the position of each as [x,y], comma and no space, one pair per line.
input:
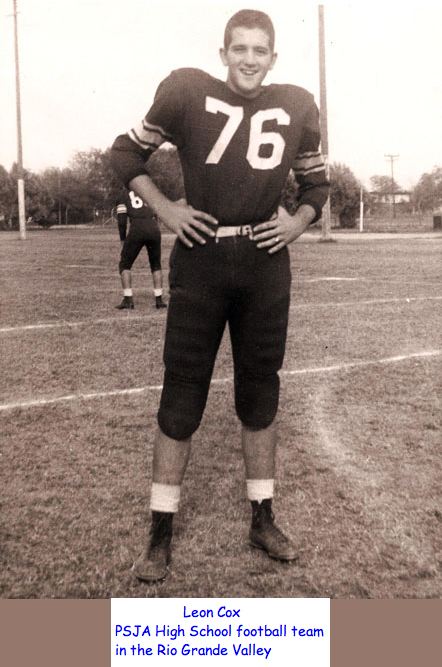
[360,428]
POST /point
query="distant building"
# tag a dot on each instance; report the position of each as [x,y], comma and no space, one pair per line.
[400,197]
[381,203]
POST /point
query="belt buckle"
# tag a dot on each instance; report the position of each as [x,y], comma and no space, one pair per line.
[245,230]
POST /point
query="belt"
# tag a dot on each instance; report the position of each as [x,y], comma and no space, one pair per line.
[239,230]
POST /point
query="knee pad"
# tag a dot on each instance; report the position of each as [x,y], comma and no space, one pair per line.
[256,399]
[182,405]
[175,426]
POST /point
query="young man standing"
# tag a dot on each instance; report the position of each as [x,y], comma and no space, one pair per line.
[237,142]
[144,232]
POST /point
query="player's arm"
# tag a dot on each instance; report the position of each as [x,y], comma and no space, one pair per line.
[182,219]
[128,159]
[122,221]
[131,151]
[283,228]
[311,176]
[309,165]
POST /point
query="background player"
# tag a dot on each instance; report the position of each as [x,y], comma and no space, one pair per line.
[237,142]
[143,232]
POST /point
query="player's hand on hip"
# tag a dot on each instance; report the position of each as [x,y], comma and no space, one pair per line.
[188,223]
[279,231]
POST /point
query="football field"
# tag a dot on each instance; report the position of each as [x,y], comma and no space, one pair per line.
[359,427]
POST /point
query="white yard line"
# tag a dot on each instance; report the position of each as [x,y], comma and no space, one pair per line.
[86,266]
[358,364]
[367,302]
[77,397]
[130,317]
[328,278]
[80,323]
[158,387]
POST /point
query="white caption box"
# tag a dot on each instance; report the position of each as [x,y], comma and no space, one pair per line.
[226,631]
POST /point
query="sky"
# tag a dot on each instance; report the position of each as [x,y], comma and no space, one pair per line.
[89,70]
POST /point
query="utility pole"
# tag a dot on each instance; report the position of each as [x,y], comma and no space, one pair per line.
[326,217]
[20,172]
[59,196]
[392,158]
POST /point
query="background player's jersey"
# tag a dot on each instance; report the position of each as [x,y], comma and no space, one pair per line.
[235,152]
[133,208]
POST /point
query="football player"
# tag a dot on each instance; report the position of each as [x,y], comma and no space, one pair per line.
[144,232]
[237,141]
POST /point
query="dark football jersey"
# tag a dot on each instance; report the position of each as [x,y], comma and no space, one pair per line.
[235,152]
[134,208]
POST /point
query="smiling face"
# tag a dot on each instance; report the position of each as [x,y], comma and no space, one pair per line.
[248,58]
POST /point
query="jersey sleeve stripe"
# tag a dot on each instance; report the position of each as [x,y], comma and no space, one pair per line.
[305,155]
[305,161]
[156,128]
[144,143]
[312,170]
[148,136]
[121,208]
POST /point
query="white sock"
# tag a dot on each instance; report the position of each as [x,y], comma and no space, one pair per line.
[259,489]
[158,291]
[164,497]
[127,291]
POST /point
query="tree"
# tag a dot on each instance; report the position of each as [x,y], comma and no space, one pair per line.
[91,187]
[38,200]
[384,185]
[84,191]
[427,194]
[51,179]
[96,189]
[7,195]
[345,192]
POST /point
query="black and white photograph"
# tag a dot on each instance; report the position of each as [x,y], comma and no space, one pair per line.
[221,299]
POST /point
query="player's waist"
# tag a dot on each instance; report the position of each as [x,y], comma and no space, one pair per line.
[144,224]
[143,219]
[222,231]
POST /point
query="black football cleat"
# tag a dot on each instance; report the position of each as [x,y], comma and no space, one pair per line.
[265,534]
[159,303]
[127,302]
[153,564]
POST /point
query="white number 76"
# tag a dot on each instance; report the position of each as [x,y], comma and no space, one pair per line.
[257,136]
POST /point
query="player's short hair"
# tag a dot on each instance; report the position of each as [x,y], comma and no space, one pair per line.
[250,18]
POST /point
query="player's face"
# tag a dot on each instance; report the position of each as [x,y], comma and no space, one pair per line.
[248,59]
